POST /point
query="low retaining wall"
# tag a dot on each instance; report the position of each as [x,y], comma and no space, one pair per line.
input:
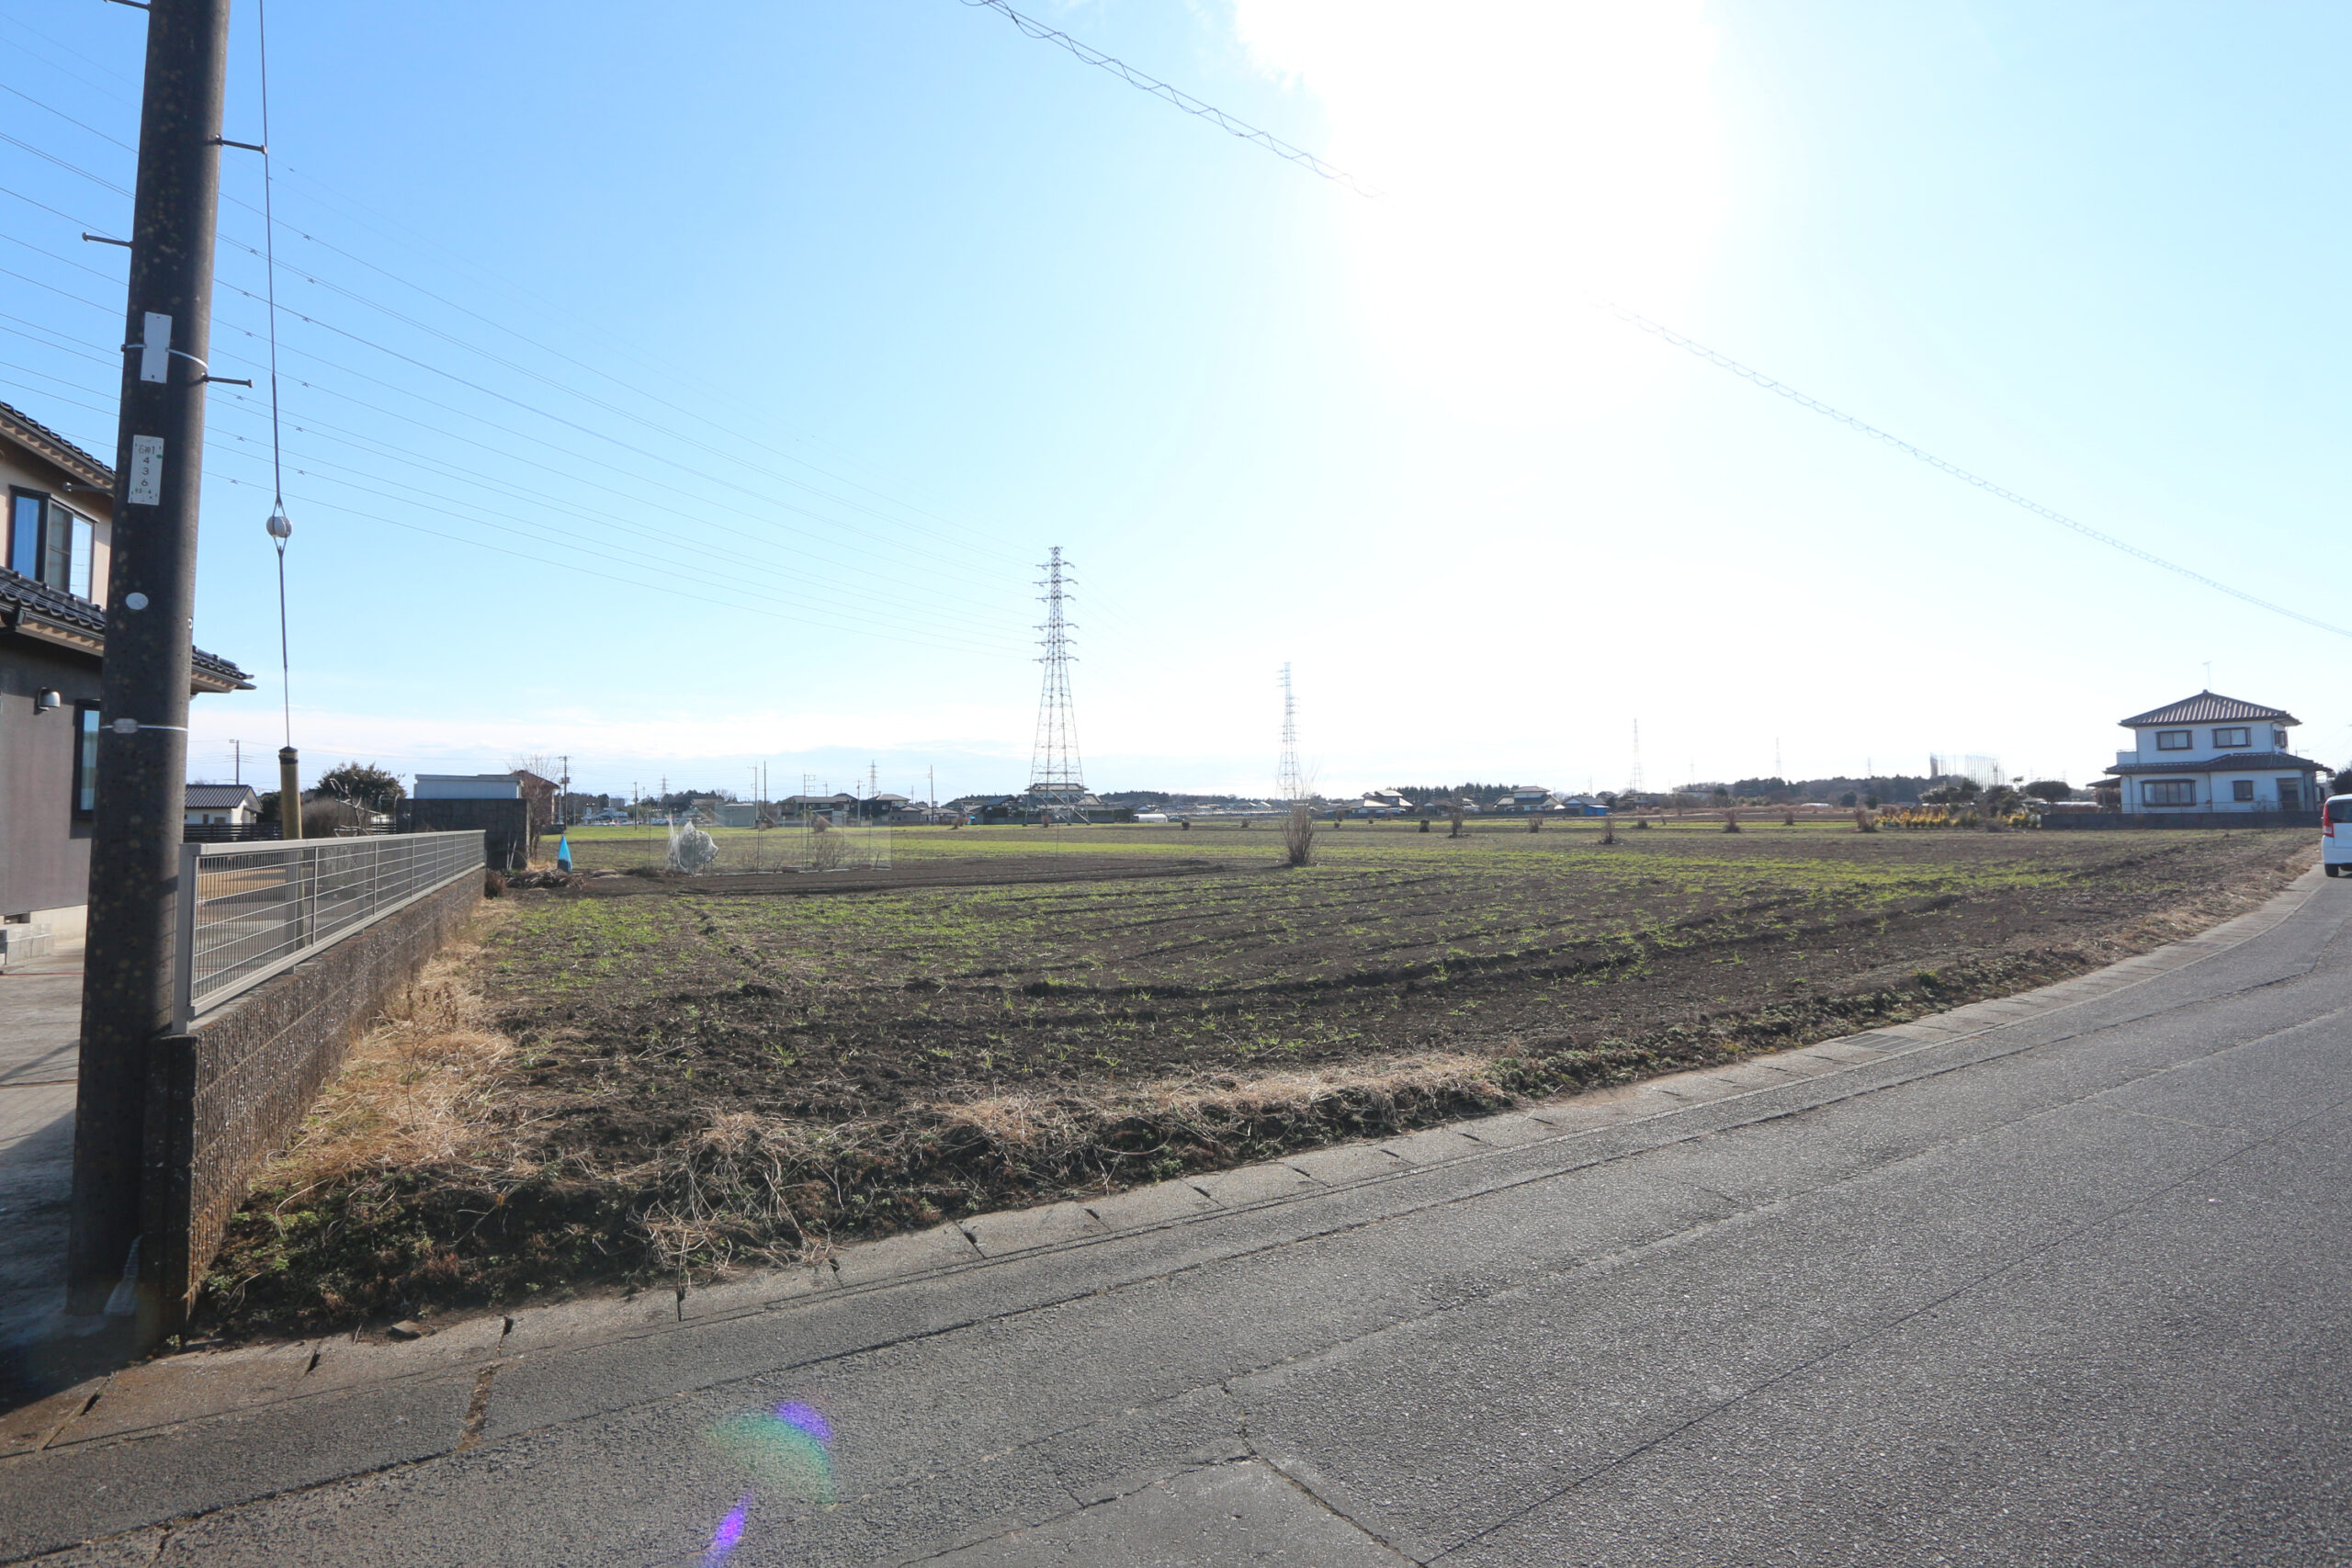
[2180,819]
[226,1095]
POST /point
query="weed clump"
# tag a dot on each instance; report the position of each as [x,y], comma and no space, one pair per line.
[1298,834]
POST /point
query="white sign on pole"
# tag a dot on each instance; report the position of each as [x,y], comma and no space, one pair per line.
[147,471]
[155,351]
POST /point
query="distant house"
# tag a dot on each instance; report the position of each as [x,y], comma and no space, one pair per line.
[56,541]
[2211,753]
[1526,799]
[737,814]
[221,805]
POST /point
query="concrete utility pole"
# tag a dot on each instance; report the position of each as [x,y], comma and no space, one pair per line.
[151,598]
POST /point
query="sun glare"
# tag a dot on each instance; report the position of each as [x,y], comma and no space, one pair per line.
[1531,154]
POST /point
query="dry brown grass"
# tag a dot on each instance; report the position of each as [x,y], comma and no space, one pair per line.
[761,1190]
[415,1090]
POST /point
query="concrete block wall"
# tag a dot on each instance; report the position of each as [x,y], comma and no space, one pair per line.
[506,825]
[225,1096]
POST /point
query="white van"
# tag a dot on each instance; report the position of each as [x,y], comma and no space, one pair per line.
[2335,834]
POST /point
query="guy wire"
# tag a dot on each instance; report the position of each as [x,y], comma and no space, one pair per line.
[277,456]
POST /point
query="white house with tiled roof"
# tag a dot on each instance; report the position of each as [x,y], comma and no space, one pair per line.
[2214,753]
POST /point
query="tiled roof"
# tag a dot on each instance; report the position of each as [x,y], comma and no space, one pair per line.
[2234,762]
[220,797]
[2209,707]
[29,432]
[26,605]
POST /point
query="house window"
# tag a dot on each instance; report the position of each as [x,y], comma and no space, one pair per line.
[2242,789]
[24,509]
[2169,791]
[50,543]
[2173,740]
[2278,740]
[85,758]
[2231,740]
[2290,795]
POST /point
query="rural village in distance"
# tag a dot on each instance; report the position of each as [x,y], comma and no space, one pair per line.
[585,976]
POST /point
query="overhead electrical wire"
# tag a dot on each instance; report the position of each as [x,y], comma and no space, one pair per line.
[1779,389]
[1723,361]
[1177,97]
[831,534]
[834,536]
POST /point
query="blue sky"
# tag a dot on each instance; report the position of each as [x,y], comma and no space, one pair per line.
[681,396]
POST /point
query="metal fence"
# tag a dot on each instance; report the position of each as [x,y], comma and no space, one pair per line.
[247,911]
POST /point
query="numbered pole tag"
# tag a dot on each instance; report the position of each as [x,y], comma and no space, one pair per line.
[146,470]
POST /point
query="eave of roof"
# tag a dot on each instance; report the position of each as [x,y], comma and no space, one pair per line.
[36,610]
[2234,763]
[44,443]
[2209,707]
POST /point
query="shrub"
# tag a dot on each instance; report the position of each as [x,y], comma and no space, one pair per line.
[1298,834]
[1731,820]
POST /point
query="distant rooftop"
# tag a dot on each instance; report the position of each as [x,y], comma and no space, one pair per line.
[2209,707]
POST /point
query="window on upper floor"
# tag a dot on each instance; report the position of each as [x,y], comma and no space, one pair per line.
[49,542]
[2175,740]
[2229,740]
[2277,739]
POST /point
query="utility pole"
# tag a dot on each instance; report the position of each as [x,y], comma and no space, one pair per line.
[236,760]
[563,789]
[151,601]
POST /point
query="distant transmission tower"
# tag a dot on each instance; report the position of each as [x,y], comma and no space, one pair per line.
[1633,784]
[1054,768]
[1289,780]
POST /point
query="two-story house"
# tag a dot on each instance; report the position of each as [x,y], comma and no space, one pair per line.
[55,541]
[2211,753]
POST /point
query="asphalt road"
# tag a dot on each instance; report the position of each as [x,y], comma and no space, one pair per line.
[2076,1289]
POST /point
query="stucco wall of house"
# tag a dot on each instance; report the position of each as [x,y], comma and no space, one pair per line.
[44,849]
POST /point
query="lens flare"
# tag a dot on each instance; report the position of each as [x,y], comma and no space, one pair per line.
[730,1533]
[807,1417]
[784,1453]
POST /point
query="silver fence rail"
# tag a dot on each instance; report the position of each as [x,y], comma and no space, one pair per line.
[247,911]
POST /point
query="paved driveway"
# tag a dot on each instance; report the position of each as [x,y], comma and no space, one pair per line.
[40,1024]
[2064,1280]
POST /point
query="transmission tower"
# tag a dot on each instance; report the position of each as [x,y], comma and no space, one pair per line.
[1292,785]
[1055,767]
[1633,784]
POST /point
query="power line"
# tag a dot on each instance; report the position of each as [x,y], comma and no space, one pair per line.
[271,227]
[1725,362]
[1182,99]
[930,609]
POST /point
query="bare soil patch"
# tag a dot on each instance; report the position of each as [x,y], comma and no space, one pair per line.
[701,1073]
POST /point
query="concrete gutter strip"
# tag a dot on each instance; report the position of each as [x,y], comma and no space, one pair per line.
[204,1385]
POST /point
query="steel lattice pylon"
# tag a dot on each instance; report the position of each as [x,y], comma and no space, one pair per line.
[1055,767]
[1292,783]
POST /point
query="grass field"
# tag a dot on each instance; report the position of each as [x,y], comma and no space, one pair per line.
[683,1073]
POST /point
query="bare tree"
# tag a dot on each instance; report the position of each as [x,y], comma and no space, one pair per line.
[1298,834]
